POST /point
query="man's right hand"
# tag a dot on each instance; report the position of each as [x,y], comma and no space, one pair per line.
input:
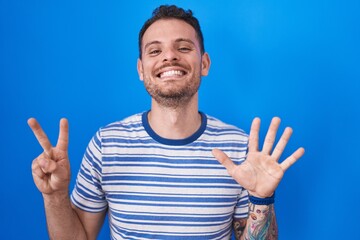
[51,169]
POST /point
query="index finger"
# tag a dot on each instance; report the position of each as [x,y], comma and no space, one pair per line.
[292,158]
[40,135]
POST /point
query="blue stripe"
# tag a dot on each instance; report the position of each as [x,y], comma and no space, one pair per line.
[234,186]
[190,224]
[161,166]
[118,125]
[88,209]
[93,161]
[106,178]
[167,175]
[224,147]
[177,194]
[160,159]
[96,141]
[170,199]
[205,214]
[171,235]
[91,195]
[177,205]
[172,218]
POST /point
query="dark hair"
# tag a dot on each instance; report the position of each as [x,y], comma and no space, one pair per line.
[172,11]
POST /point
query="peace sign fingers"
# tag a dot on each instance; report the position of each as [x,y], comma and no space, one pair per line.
[63,140]
[40,136]
[51,169]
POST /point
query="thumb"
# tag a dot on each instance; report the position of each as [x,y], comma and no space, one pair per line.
[224,160]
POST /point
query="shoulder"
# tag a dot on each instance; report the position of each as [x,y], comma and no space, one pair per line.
[106,138]
[128,127]
[131,122]
[227,137]
[216,126]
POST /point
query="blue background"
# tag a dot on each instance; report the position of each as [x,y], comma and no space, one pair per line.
[299,60]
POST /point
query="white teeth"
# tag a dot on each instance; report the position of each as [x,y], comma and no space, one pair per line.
[171,73]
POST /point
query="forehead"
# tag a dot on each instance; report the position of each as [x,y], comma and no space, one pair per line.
[165,30]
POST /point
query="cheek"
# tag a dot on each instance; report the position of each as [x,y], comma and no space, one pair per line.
[148,68]
[143,75]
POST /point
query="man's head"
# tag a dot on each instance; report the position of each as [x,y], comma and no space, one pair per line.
[172,60]
[172,12]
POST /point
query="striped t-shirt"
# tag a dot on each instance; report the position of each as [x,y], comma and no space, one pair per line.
[157,188]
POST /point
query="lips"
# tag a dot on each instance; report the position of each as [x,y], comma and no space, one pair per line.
[172,73]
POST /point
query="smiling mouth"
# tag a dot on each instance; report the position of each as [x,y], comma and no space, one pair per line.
[171,73]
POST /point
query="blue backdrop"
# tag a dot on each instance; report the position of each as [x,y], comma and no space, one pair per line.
[299,60]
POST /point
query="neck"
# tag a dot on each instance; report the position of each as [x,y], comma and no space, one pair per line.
[175,123]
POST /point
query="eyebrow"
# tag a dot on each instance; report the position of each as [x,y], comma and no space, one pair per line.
[177,41]
[151,43]
[184,40]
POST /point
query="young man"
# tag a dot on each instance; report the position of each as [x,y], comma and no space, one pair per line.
[157,173]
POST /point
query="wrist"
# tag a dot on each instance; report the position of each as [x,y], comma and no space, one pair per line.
[262,201]
[56,197]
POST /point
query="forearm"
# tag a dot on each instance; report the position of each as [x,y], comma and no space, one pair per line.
[62,221]
[261,223]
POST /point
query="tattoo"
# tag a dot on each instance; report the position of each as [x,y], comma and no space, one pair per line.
[262,223]
[239,226]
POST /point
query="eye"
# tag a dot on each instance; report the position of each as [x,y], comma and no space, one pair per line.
[184,49]
[154,52]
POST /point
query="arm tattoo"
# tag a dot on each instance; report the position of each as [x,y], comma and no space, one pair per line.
[262,223]
[239,226]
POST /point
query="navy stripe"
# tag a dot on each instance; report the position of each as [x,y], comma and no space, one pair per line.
[138,160]
[107,178]
[234,186]
[162,166]
[170,199]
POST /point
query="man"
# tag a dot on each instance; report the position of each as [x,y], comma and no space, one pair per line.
[156,173]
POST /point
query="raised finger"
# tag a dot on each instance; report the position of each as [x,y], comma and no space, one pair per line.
[280,146]
[271,135]
[292,159]
[40,136]
[63,139]
[254,135]
[224,160]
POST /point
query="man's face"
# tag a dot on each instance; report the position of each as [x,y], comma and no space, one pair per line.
[171,64]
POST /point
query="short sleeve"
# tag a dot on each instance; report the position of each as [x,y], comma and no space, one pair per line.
[88,194]
[242,206]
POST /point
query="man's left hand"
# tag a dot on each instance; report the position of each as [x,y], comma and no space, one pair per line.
[261,172]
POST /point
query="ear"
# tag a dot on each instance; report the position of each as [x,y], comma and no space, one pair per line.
[205,64]
[140,69]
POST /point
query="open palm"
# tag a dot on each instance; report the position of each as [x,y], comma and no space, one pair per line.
[261,172]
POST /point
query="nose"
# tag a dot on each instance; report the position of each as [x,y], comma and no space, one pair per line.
[170,55]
